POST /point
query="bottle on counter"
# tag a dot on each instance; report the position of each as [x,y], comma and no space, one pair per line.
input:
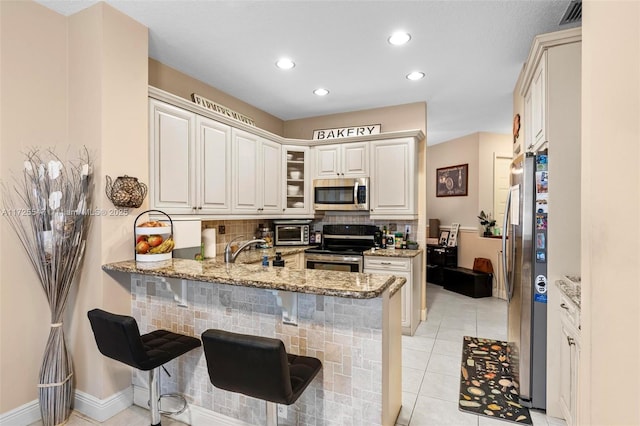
[278,261]
[265,260]
[399,239]
[390,242]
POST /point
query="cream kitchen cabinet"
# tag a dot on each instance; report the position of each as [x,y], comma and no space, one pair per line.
[256,174]
[410,269]
[294,261]
[296,188]
[393,179]
[190,159]
[345,160]
[535,108]
[569,360]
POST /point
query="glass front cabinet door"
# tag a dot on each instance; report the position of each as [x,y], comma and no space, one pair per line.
[297,187]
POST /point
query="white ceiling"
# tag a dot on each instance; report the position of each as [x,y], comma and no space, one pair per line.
[471,52]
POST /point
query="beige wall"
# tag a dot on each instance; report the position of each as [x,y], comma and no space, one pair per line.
[462,210]
[610,358]
[33,67]
[108,64]
[392,118]
[88,74]
[477,150]
[180,84]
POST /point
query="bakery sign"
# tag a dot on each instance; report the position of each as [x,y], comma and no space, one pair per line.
[346,132]
[221,109]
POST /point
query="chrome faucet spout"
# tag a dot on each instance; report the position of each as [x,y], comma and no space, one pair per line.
[230,257]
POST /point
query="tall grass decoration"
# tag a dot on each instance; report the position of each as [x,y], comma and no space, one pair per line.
[49,210]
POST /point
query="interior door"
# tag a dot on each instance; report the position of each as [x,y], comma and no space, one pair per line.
[501,172]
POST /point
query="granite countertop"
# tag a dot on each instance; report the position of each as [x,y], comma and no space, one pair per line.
[312,281]
[572,288]
[393,252]
[255,255]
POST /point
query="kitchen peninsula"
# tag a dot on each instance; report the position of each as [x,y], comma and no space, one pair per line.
[350,321]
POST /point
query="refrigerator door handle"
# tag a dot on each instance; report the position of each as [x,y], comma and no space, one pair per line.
[507,284]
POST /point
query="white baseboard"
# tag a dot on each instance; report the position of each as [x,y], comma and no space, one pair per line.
[193,415]
[89,405]
[22,416]
[103,409]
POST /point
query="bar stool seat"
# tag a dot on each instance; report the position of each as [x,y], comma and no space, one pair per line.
[118,337]
[258,367]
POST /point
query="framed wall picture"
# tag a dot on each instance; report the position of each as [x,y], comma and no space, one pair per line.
[452,181]
[444,237]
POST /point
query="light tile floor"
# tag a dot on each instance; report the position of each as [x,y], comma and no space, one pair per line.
[431,360]
[430,365]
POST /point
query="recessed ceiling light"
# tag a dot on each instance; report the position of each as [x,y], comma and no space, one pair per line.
[416,75]
[285,64]
[321,92]
[399,38]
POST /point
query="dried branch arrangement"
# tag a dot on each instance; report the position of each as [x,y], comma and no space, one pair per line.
[49,210]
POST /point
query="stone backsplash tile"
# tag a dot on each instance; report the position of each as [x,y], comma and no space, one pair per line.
[344,334]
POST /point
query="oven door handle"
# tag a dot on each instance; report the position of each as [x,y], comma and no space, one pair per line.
[333,258]
[355,193]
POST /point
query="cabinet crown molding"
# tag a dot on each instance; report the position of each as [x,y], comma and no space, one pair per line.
[186,104]
[540,44]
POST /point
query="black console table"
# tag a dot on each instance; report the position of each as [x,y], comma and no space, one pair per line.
[468,282]
[442,269]
[439,257]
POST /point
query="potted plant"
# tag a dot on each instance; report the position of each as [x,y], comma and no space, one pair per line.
[487,222]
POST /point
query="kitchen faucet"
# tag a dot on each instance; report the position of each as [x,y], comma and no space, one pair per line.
[230,257]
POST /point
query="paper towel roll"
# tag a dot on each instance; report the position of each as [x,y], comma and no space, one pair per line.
[209,241]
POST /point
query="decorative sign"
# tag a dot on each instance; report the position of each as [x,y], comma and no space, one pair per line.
[346,132]
[220,109]
[452,181]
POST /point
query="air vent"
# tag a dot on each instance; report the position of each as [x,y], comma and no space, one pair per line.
[573,13]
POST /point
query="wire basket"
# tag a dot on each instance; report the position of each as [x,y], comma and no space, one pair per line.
[153,240]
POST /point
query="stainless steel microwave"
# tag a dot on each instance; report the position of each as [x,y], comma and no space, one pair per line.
[291,232]
[341,194]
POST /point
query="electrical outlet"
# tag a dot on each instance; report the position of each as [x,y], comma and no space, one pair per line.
[282,411]
[221,229]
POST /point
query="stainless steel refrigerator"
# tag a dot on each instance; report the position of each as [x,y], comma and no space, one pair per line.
[524,251]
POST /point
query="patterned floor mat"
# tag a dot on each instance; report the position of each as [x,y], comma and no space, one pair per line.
[486,384]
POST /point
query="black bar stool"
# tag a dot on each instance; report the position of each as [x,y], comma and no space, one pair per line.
[258,367]
[118,337]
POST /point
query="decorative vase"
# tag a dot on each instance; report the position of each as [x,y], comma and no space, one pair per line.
[55,388]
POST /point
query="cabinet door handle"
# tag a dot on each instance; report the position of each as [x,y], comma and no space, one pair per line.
[385,263]
[564,306]
[571,341]
[199,207]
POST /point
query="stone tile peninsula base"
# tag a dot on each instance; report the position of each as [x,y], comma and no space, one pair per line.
[357,340]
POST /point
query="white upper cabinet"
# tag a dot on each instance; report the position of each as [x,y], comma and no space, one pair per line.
[172,158]
[256,174]
[538,94]
[393,179]
[204,163]
[342,160]
[190,162]
[271,178]
[213,156]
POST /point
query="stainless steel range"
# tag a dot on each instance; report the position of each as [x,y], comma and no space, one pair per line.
[342,247]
